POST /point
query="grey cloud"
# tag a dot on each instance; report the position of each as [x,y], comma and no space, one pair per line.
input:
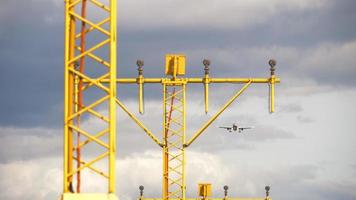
[266,133]
[28,144]
[308,41]
[304,119]
[291,108]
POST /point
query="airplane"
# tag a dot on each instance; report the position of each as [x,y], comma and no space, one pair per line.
[235,127]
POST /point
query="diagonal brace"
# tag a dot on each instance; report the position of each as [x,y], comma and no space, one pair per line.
[139,123]
[212,119]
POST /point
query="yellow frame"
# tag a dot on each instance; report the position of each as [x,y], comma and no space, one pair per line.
[72,54]
[108,84]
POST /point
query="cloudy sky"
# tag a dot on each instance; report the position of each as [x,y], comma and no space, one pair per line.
[305,150]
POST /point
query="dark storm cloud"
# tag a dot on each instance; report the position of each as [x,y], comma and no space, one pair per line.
[31,69]
[32,51]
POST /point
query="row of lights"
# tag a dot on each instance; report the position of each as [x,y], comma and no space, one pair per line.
[267,188]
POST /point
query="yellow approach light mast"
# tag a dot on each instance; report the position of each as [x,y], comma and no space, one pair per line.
[174,141]
[90,83]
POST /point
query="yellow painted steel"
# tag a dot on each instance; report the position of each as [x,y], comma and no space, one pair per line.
[193,80]
[204,190]
[174,105]
[174,139]
[139,123]
[271,95]
[106,98]
[112,94]
[140,93]
[175,65]
[67,97]
[206,82]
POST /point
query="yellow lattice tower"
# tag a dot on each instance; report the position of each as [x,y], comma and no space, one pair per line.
[174,139]
[90,90]
[90,56]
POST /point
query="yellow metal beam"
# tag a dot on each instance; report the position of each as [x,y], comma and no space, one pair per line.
[103,155]
[106,20]
[67,95]
[139,123]
[112,99]
[92,168]
[90,23]
[194,80]
[75,51]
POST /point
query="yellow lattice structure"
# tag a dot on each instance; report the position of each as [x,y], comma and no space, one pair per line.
[90,56]
[174,140]
[90,83]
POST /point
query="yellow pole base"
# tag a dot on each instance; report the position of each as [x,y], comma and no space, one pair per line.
[88,196]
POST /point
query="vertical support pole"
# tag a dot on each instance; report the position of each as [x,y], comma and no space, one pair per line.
[66,96]
[272,63]
[112,102]
[77,105]
[206,95]
[271,96]
[206,64]
[183,142]
[140,96]
[165,149]
[140,64]
[69,41]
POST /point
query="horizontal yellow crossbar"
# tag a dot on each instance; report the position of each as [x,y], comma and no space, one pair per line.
[194,80]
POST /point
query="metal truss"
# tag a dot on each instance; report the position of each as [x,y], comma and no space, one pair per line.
[87,62]
[173,140]
[90,83]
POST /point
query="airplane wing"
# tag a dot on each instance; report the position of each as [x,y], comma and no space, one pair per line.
[243,128]
[225,127]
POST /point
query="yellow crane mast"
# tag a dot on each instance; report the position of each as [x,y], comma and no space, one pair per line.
[90,90]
